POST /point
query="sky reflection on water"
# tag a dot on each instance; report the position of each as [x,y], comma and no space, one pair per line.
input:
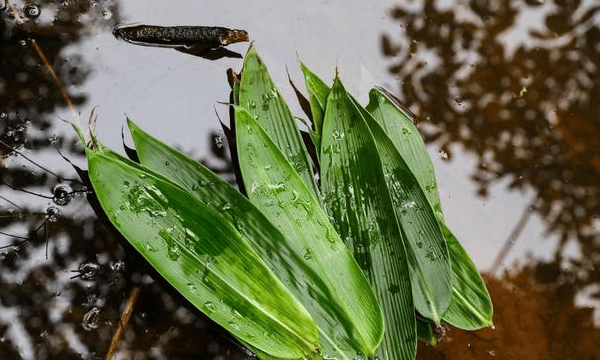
[506,92]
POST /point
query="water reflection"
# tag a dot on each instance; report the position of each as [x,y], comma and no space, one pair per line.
[516,84]
[64,274]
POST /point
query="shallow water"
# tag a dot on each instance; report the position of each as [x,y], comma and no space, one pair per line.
[507,97]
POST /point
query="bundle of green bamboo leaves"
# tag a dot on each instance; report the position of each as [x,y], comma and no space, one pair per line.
[356,267]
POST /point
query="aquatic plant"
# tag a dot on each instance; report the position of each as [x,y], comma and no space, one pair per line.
[355,266]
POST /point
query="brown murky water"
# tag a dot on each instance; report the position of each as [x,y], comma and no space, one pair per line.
[507,93]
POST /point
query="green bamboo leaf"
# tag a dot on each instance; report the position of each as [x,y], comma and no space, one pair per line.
[202,255]
[236,92]
[287,260]
[318,92]
[259,96]
[470,306]
[356,196]
[429,261]
[426,331]
[350,320]
[398,125]
[212,190]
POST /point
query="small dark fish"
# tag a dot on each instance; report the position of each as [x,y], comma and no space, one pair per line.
[175,36]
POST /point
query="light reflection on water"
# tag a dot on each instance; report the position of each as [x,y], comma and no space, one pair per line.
[506,94]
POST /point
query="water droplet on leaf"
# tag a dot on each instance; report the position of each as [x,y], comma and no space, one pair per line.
[210,306]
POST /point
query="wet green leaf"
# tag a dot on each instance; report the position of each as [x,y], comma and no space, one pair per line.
[356,196]
[318,92]
[470,306]
[431,274]
[288,260]
[426,331]
[349,318]
[259,96]
[202,255]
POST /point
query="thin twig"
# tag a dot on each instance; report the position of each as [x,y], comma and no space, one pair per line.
[61,87]
[12,203]
[114,342]
[31,161]
[511,240]
[27,191]
[14,236]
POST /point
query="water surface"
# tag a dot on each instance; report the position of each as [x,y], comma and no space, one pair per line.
[505,91]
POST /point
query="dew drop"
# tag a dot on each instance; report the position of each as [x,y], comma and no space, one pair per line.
[251,105]
[277,187]
[253,188]
[431,255]
[409,205]
[393,288]
[430,186]
[91,319]
[173,251]
[236,314]
[338,136]
[62,194]
[405,130]
[234,325]
[210,306]
[192,287]
[150,248]
[31,11]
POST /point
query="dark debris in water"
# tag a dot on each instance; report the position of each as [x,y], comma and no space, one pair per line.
[203,41]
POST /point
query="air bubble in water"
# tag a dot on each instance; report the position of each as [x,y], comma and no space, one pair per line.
[52,213]
[117,266]
[31,11]
[106,14]
[62,194]
[89,270]
[91,319]
[219,141]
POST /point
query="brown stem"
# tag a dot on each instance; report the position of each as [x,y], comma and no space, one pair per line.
[114,342]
